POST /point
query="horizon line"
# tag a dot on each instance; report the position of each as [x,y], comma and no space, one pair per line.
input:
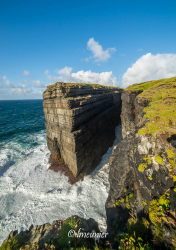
[20,99]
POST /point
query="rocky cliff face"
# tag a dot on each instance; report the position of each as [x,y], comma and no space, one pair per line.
[55,236]
[141,206]
[80,123]
[142,197]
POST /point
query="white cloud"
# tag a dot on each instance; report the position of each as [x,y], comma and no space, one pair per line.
[97,50]
[38,84]
[21,90]
[105,78]
[150,67]
[46,72]
[66,75]
[5,82]
[28,89]
[65,71]
[26,73]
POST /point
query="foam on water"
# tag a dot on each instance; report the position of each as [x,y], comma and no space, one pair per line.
[32,194]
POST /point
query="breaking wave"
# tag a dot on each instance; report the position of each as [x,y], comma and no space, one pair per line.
[30,193]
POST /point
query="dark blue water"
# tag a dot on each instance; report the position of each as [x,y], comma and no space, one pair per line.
[29,192]
[20,117]
[21,130]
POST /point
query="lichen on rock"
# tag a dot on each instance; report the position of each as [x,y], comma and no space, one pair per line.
[80,122]
[149,134]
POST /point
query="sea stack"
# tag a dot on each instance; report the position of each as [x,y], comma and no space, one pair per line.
[80,123]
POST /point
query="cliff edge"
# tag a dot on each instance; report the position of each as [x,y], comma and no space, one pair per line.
[80,123]
[61,234]
[141,207]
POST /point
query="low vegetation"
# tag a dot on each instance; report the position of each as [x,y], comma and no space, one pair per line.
[71,84]
[57,238]
[147,232]
[160,113]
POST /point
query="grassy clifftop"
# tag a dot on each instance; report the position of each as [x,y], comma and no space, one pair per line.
[161,111]
[80,85]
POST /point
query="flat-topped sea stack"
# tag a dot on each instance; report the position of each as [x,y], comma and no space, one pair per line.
[80,123]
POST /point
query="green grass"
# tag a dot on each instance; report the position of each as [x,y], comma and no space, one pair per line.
[72,84]
[160,113]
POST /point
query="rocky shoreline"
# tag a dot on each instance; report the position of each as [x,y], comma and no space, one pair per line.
[141,206]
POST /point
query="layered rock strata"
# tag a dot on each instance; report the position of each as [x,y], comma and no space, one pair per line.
[142,197]
[141,206]
[80,123]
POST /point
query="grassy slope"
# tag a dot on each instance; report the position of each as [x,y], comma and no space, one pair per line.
[161,111]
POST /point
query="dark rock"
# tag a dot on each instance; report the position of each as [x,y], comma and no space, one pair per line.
[142,170]
[80,124]
[61,234]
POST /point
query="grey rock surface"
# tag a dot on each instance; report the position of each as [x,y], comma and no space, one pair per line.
[80,123]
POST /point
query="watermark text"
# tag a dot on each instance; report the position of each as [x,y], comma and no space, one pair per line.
[81,234]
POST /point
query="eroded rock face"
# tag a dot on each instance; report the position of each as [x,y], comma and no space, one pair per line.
[80,123]
[142,197]
[61,234]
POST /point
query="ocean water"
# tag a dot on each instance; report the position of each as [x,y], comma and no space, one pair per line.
[30,193]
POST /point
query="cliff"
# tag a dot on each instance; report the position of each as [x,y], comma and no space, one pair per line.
[80,123]
[141,207]
[54,236]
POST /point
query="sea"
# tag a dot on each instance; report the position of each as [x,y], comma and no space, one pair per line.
[31,193]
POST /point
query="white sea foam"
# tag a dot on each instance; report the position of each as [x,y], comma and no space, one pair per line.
[18,148]
[32,194]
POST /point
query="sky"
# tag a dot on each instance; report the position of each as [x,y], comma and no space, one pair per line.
[115,42]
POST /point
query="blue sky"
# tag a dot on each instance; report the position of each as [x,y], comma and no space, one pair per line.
[109,42]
